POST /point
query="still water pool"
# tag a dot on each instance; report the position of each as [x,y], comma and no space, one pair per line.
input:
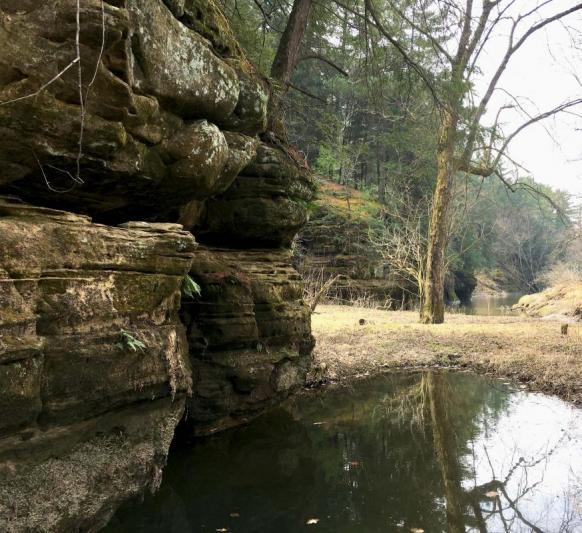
[416,452]
[490,305]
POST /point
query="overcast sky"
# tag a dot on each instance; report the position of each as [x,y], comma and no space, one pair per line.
[542,72]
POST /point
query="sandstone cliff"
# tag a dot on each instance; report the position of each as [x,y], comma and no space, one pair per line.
[91,355]
[336,242]
[249,335]
[144,110]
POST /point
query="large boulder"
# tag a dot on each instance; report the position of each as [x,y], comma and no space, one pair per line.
[89,330]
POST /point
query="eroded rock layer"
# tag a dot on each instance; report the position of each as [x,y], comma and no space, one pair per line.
[266,205]
[342,240]
[249,335]
[88,327]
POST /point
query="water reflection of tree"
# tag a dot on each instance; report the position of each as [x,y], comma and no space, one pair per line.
[500,497]
[446,450]
[395,451]
[387,446]
[495,503]
[387,473]
[386,441]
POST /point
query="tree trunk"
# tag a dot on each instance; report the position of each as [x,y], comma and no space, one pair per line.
[381,180]
[432,309]
[287,54]
[286,59]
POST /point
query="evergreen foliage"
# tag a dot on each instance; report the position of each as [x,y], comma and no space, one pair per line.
[374,130]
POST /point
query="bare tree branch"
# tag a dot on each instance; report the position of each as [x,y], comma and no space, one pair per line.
[511,49]
[327,61]
[533,120]
[306,93]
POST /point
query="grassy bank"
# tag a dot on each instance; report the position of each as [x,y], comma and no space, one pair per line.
[525,350]
[562,301]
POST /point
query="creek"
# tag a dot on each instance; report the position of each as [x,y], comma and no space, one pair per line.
[407,452]
[489,305]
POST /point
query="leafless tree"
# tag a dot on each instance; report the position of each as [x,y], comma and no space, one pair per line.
[403,244]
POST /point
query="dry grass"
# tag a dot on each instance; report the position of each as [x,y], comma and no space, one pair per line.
[526,350]
[561,301]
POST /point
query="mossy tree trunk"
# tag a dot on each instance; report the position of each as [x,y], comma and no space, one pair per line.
[432,309]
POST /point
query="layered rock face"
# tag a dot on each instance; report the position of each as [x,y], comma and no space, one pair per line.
[324,252]
[249,329]
[88,327]
[249,335]
[265,206]
[134,110]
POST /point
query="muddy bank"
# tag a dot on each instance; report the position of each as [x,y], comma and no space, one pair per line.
[525,350]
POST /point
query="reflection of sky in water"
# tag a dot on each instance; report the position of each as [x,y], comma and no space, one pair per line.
[535,449]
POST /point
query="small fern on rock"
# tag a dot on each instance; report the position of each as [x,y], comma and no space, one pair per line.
[190,288]
[127,341]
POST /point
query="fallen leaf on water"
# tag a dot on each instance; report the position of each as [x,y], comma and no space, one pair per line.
[492,494]
[234,515]
[312,521]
